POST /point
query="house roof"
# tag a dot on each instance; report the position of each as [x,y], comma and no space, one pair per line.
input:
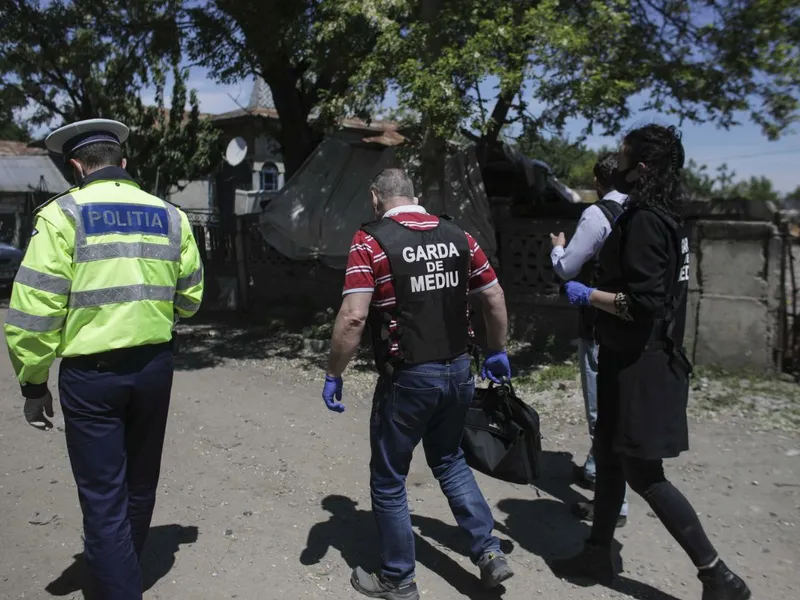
[30,173]
[271,113]
[14,148]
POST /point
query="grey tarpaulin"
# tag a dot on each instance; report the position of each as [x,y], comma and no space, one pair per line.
[465,199]
[322,206]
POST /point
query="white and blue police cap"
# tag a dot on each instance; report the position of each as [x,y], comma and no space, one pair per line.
[69,138]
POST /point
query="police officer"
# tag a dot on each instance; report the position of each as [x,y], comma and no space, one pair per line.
[579,259]
[107,270]
[643,378]
[410,273]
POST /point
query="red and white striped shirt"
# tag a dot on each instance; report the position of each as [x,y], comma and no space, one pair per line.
[369,271]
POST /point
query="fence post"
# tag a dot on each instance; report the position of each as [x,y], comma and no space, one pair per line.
[241,265]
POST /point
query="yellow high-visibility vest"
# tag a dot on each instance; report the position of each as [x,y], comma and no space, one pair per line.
[108,266]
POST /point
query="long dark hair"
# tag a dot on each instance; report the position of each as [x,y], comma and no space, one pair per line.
[659,186]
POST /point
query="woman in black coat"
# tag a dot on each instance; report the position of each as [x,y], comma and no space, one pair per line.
[643,374]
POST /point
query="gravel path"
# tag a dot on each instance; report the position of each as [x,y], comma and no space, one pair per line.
[264,493]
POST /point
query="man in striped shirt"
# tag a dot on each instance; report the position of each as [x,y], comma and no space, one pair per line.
[410,274]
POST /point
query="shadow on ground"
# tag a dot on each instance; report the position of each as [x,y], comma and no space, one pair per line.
[212,338]
[540,526]
[359,549]
[163,543]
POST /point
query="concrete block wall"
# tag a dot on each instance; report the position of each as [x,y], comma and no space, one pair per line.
[733,307]
[734,292]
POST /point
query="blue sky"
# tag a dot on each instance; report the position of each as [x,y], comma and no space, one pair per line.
[743,148]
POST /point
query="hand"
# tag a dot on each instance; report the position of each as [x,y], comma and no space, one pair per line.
[578,294]
[558,240]
[36,409]
[496,367]
[332,393]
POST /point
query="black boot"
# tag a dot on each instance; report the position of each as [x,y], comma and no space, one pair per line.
[597,563]
[720,583]
[374,586]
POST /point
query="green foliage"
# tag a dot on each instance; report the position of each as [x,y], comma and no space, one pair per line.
[755,188]
[84,59]
[10,126]
[693,60]
[701,185]
[572,162]
[553,61]
[792,199]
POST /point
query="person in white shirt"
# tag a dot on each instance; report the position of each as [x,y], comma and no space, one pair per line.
[579,257]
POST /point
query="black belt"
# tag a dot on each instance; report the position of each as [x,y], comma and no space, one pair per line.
[115,358]
[390,366]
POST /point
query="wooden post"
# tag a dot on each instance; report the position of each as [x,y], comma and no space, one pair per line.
[241,265]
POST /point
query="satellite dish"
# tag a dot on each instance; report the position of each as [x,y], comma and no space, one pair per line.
[236,151]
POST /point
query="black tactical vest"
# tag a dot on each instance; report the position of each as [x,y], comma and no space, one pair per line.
[666,328]
[611,211]
[430,271]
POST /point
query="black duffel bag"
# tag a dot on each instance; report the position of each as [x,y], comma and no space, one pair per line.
[502,437]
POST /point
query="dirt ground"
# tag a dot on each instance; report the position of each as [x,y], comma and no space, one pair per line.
[264,494]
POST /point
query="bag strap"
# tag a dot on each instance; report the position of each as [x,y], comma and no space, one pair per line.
[611,210]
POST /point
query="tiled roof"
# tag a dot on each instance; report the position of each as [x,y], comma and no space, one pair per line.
[30,173]
[13,148]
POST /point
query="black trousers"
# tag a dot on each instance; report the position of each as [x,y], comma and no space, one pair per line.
[115,413]
[625,398]
[646,478]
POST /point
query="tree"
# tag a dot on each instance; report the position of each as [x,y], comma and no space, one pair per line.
[83,59]
[572,162]
[792,199]
[552,61]
[306,51]
[10,126]
[755,188]
[555,61]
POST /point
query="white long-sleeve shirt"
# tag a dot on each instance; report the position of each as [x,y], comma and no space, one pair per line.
[593,229]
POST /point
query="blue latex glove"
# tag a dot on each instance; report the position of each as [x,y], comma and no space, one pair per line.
[496,367]
[332,393]
[578,294]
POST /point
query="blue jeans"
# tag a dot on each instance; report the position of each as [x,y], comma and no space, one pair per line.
[426,403]
[115,415]
[587,361]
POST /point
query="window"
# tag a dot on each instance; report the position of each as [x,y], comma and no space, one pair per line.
[269,177]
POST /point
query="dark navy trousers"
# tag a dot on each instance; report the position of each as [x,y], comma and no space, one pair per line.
[115,412]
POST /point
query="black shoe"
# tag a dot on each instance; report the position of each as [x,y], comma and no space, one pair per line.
[585,512]
[579,475]
[720,583]
[494,569]
[596,563]
[374,586]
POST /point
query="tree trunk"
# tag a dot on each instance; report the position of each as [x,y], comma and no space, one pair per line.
[298,138]
[496,122]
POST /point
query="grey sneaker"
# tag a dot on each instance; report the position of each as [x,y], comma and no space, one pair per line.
[374,586]
[494,569]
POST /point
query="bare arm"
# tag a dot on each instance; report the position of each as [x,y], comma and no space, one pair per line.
[347,331]
[493,302]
